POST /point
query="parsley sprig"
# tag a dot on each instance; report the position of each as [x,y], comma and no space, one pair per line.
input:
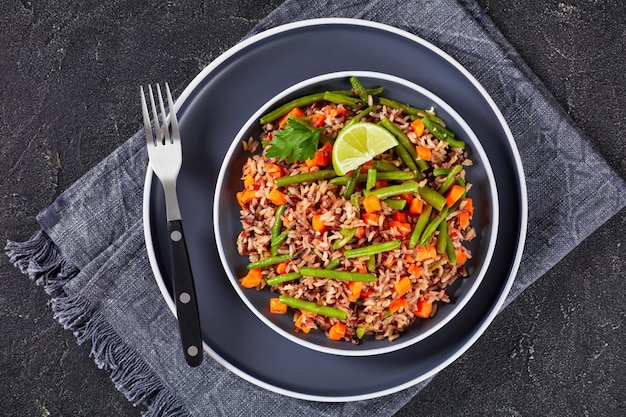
[297,141]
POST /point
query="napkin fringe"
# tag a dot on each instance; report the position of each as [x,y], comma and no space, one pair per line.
[40,259]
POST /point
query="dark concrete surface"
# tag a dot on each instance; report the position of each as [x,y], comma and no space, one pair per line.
[68,77]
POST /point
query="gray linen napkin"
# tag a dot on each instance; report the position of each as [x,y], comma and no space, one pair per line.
[90,253]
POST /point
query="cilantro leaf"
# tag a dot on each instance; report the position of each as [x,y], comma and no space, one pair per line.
[297,141]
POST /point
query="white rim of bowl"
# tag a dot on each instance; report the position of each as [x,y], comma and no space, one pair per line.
[523,194]
[476,147]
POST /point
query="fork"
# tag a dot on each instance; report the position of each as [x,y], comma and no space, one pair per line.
[165,154]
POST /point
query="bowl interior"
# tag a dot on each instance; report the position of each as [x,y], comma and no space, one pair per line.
[483,192]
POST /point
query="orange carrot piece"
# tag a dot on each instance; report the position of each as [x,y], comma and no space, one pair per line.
[281,268]
[317,223]
[395,305]
[296,111]
[355,288]
[461,256]
[424,308]
[322,156]
[371,219]
[300,325]
[469,206]
[371,203]
[403,286]
[277,197]
[239,196]
[334,112]
[360,232]
[407,197]
[382,183]
[337,331]
[317,120]
[245,196]
[422,253]
[274,171]
[252,279]
[418,127]
[414,269]
[400,216]
[416,206]
[403,227]
[248,181]
[277,307]
[424,153]
[463,219]
[454,194]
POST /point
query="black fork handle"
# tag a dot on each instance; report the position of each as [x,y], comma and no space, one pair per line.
[185,296]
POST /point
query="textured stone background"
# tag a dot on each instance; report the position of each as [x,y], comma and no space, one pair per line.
[68,77]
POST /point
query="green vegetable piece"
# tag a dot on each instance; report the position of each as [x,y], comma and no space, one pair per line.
[447,183]
[323,174]
[359,116]
[432,226]
[384,166]
[359,89]
[400,135]
[432,197]
[391,190]
[351,184]
[360,332]
[372,249]
[272,260]
[279,279]
[441,238]
[450,249]
[348,235]
[370,182]
[371,263]
[395,204]
[440,133]
[420,225]
[287,107]
[340,275]
[333,264]
[313,307]
[407,109]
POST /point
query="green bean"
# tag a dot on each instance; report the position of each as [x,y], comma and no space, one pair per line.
[387,175]
[439,172]
[395,204]
[422,164]
[277,226]
[272,260]
[384,166]
[403,139]
[347,234]
[389,191]
[340,275]
[406,157]
[287,107]
[359,116]
[371,263]
[460,181]
[351,184]
[370,91]
[447,183]
[370,182]
[450,250]
[407,109]
[439,132]
[279,279]
[441,239]
[372,249]
[358,88]
[432,226]
[422,220]
[341,99]
[277,242]
[354,200]
[333,264]
[432,197]
[313,307]
[360,332]
[323,174]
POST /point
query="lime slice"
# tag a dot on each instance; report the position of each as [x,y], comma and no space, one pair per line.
[359,143]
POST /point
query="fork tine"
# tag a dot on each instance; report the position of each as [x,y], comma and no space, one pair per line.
[146,118]
[165,127]
[173,118]
[155,116]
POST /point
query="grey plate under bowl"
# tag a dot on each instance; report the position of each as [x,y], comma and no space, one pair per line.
[213,109]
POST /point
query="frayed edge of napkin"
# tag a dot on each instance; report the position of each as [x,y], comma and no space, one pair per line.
[42,261]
